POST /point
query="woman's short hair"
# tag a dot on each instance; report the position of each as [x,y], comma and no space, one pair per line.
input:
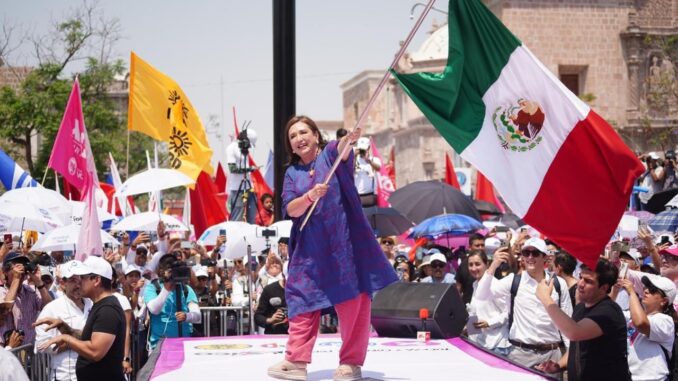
[294,158]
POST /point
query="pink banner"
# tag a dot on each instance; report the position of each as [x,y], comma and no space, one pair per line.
[384,184]
[71,155]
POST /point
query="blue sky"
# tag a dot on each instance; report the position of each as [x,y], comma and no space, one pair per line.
[199,43]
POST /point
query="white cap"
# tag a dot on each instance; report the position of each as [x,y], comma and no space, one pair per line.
[537,243]
[200,271]
[635,254]
[653,155]
[71,268]
[96,265]
[46,270]
[425,261]
[363,143]
[492,244]
[438,257]
[132,268]
[665,284]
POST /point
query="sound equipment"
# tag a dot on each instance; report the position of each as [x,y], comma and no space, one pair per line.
[395,310]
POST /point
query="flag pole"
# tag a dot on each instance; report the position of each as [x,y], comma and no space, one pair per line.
[373,98]
[127,158]
[44,176]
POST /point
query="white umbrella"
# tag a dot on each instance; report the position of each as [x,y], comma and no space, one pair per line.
[148,221]
[78,211]
[152,180]
[18,216]
[66,238]
[42,198]
[238,237]
[209,236]
[283,228]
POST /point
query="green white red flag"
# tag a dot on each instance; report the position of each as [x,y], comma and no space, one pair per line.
[557,164]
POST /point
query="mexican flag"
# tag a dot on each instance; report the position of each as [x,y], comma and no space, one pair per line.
[559,166]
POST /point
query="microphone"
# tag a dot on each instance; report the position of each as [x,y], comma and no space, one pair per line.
[423,335]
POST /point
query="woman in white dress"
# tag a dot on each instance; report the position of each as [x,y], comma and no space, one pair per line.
[488,320]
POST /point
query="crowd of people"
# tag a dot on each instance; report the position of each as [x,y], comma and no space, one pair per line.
[527,299]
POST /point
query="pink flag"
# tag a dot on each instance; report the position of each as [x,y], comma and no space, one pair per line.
[72,158]
[384,184]
[89,241]
[71,155]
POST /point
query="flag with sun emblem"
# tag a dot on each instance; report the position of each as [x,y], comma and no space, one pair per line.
[160,109]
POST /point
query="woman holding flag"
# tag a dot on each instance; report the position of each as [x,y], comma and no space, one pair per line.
[334,260]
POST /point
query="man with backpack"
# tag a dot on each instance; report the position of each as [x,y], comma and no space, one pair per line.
[534,337]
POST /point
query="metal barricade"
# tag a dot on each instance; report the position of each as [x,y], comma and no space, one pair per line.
[36,365]
[223,319]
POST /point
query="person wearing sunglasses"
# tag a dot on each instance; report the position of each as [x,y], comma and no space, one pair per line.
[534,337]
[438,269]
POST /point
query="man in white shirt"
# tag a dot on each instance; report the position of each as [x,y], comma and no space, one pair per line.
[365,175]
[73,309]
[239,180]
[534,337]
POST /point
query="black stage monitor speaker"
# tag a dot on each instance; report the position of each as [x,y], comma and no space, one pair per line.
[395,310]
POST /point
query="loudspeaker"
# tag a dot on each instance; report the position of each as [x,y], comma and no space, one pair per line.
[395,310]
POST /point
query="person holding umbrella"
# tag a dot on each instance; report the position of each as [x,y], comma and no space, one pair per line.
[335,260]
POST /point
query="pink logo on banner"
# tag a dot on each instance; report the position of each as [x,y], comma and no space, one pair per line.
[384,184]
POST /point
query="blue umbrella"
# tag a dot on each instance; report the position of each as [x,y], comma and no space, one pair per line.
[449,224]
[666,221]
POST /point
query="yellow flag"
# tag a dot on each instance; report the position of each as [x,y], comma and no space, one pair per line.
[160,109]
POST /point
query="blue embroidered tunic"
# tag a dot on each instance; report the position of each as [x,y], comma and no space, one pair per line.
[336,257]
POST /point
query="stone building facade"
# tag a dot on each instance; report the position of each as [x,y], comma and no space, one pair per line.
[617,55]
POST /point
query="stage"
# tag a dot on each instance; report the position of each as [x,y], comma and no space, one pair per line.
[247,358]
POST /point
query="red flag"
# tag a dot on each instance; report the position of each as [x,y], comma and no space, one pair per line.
[485,191]
[109,191]
[220,180]
[450,174]
[207,208]
[70,191]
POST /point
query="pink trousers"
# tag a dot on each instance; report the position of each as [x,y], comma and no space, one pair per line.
[354,325]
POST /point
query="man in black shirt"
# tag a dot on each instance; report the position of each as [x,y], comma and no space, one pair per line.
[272,309]
[101,343]
[597,329]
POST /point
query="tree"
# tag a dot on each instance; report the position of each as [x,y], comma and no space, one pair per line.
[84,41]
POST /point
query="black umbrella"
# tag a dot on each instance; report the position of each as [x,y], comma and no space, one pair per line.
[657,202]
[423,199]
[486,207]
[510,220]
[387,221]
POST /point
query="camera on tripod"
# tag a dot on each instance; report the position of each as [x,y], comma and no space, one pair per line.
[244,143]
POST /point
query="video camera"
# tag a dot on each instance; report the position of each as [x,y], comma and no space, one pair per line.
[180,272]
[41,260]
[244,142]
